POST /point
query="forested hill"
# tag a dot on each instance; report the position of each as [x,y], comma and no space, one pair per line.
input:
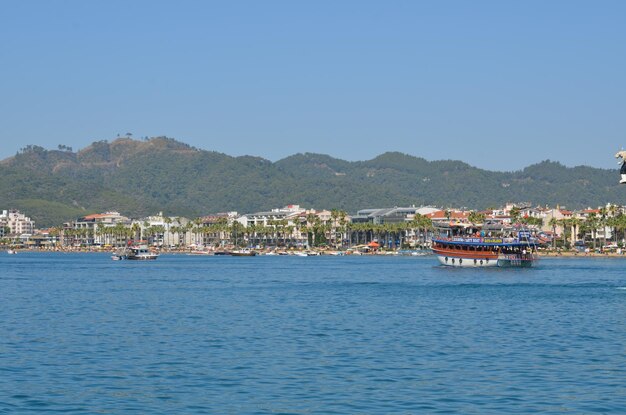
[138,178]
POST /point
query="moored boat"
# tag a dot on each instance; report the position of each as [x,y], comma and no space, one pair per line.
[119,255]
[202,253]
[140,252]
[464,246]
[243,252]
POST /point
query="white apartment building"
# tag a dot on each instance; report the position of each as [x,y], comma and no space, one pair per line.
[166,231]
[265,218]
[93,229]
[16,222]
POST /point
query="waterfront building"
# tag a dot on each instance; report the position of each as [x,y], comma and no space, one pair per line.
[16,223]
[333,224]
[41,239]
[219,218]
[107,228]
[293,225]
[269,217]
[448,216]
[165,231]
[215,228]
[599,229]
[270,227]
[396,214]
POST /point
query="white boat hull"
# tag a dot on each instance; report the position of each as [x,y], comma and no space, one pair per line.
[466,262]
[142,257]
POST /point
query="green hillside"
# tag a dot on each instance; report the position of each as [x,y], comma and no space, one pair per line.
[161,174]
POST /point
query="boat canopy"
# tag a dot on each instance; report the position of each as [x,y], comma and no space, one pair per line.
[485,242]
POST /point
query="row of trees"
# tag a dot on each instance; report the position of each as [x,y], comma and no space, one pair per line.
[577,228]
[311,230]
[337,231]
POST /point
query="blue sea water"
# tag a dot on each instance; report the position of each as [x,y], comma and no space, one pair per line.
[80,333]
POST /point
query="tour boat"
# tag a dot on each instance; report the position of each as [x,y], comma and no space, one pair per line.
[465,246]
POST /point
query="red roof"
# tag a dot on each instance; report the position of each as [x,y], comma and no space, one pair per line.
[96,216]
[441,214]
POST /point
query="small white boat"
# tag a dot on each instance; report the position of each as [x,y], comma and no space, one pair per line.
[202,253]
[119,255]
[11,251]
[140,252]
[307,253]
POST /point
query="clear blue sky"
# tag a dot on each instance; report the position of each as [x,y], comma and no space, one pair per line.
[498,84]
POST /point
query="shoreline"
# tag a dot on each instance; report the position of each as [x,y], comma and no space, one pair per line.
[581,255]
[542,255]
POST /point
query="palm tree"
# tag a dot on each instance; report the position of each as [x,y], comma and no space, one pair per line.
[118,231]
[575,223]
[343,224]
[603,223]
[54,233]
[515,214]
[621,225]
[311,222]
[136,231]
[100,231]
[611,223]
[593,221]
[553,222]
[422,224]
[476,218]
[338,226]
[198,223]
[156,232]
[565,224]
[168,224]
[185,229]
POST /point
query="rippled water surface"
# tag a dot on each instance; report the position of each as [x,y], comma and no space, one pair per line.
[80,333]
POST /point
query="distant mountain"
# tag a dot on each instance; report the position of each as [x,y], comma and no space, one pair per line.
[161,174]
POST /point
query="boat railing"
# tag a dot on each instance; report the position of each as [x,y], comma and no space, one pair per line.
[478,239]
[518,257]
